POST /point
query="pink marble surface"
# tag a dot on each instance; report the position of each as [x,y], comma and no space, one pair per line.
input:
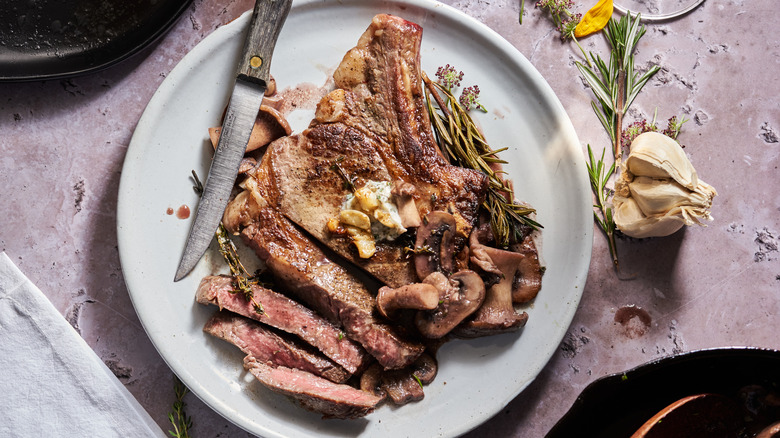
[63,142]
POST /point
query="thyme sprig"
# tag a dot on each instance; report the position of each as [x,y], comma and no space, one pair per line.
[411,250]
[182,424]
[242,281]
[463,144]
[417,378]
[615,85]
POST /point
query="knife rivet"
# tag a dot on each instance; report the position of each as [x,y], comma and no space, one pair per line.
[256,61]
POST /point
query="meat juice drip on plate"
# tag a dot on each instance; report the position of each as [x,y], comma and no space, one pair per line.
[183,212]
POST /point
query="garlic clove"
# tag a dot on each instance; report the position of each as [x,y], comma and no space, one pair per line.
[658,156]
[659,196]
[355,218]
[634,223]
[366,198]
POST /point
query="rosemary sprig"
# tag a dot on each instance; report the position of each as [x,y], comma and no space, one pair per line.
[464,145]
[182,424]
[242,281]
[598,182]
[615,86]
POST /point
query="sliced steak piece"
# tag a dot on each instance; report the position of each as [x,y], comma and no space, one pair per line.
[375,126]
[269,347]
[332,400]
[286,315]
[306,271]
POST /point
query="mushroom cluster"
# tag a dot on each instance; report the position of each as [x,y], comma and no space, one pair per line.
[471,292]
[401,386]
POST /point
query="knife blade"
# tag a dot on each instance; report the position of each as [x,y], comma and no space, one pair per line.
[252,76]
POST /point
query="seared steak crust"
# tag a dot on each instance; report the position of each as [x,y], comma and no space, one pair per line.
[391,106]
[270,347]
[312,193]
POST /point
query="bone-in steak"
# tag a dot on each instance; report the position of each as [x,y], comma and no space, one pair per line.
[375,126]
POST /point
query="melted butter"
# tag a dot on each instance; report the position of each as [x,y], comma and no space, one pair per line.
[372,202]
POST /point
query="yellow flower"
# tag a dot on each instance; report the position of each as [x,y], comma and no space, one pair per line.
[595,19]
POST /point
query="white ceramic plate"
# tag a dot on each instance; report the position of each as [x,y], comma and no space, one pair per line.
[477,377]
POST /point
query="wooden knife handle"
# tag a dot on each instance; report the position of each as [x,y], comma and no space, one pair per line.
[267,20]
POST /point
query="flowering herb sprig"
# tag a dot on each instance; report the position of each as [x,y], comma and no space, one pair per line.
[563,17]
[449,77]
[469,98]
[673,127]
[633,130]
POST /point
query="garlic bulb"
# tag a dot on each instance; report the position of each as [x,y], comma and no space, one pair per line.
[658,190]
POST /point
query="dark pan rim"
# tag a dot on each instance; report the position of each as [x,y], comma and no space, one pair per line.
[619,403]
[107,55]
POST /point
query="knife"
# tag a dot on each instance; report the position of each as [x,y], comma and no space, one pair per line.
[252,78]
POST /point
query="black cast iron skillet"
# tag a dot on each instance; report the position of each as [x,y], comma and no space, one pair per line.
[46,39]
[617,405]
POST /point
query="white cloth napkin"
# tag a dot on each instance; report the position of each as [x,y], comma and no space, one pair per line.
[51,382]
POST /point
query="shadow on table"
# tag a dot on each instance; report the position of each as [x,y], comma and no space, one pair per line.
[651,262]
[57,97]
